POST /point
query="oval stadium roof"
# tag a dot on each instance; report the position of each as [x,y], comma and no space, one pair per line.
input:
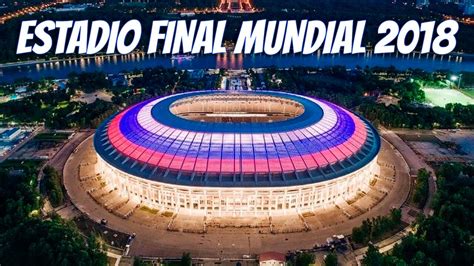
[324,142]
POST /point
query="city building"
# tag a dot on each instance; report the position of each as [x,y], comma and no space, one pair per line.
[9,134]
[9,137]
[243,153]
[272,259]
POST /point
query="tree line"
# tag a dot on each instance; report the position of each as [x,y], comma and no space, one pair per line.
[373,229]
[444,238]
[27,239]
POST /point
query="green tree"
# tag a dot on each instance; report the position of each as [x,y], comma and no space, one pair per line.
[373,229]
[87,81]
[331,259]
[139,262]
[421,187]
[358,235]
[18,194]
[36,242]
[446,237]
[52,184]
[373,257]
[186,259]
[304,259]
[396,216]
[27,240]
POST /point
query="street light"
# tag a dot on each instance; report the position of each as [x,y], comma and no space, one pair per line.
[457,78]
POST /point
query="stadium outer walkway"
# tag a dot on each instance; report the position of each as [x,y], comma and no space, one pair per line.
[415,163]
[153,240]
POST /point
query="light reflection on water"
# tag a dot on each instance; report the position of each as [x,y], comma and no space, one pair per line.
[117,64]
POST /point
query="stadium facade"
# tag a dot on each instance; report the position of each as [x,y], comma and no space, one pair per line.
[237,153]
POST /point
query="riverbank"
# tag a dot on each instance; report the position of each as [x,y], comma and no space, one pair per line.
[113,64]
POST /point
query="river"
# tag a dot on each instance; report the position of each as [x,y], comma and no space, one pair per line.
[117,64]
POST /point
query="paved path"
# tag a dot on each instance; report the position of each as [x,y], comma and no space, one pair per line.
[59,159]
[415,163]
[384,245]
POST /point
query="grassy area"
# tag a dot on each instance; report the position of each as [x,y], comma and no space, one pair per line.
[468,92]
[21,164]
[52,136]
[428,137]
[167,214]
[149,210]
[384,235]
[108,235]
[441,97]
[62,105]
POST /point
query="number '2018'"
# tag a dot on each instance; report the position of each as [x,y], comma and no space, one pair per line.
[443,43]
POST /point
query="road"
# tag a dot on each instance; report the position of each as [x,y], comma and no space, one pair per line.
[415,163]
[59,159]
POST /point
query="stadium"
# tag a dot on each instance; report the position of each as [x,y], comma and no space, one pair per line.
[248,154]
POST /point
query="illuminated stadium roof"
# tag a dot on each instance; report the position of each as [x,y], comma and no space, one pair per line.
[245,139]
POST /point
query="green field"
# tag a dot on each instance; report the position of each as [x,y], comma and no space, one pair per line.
[469,92]
[52,136]
[441,97]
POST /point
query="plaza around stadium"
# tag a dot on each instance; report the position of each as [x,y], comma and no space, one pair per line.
[226,164]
